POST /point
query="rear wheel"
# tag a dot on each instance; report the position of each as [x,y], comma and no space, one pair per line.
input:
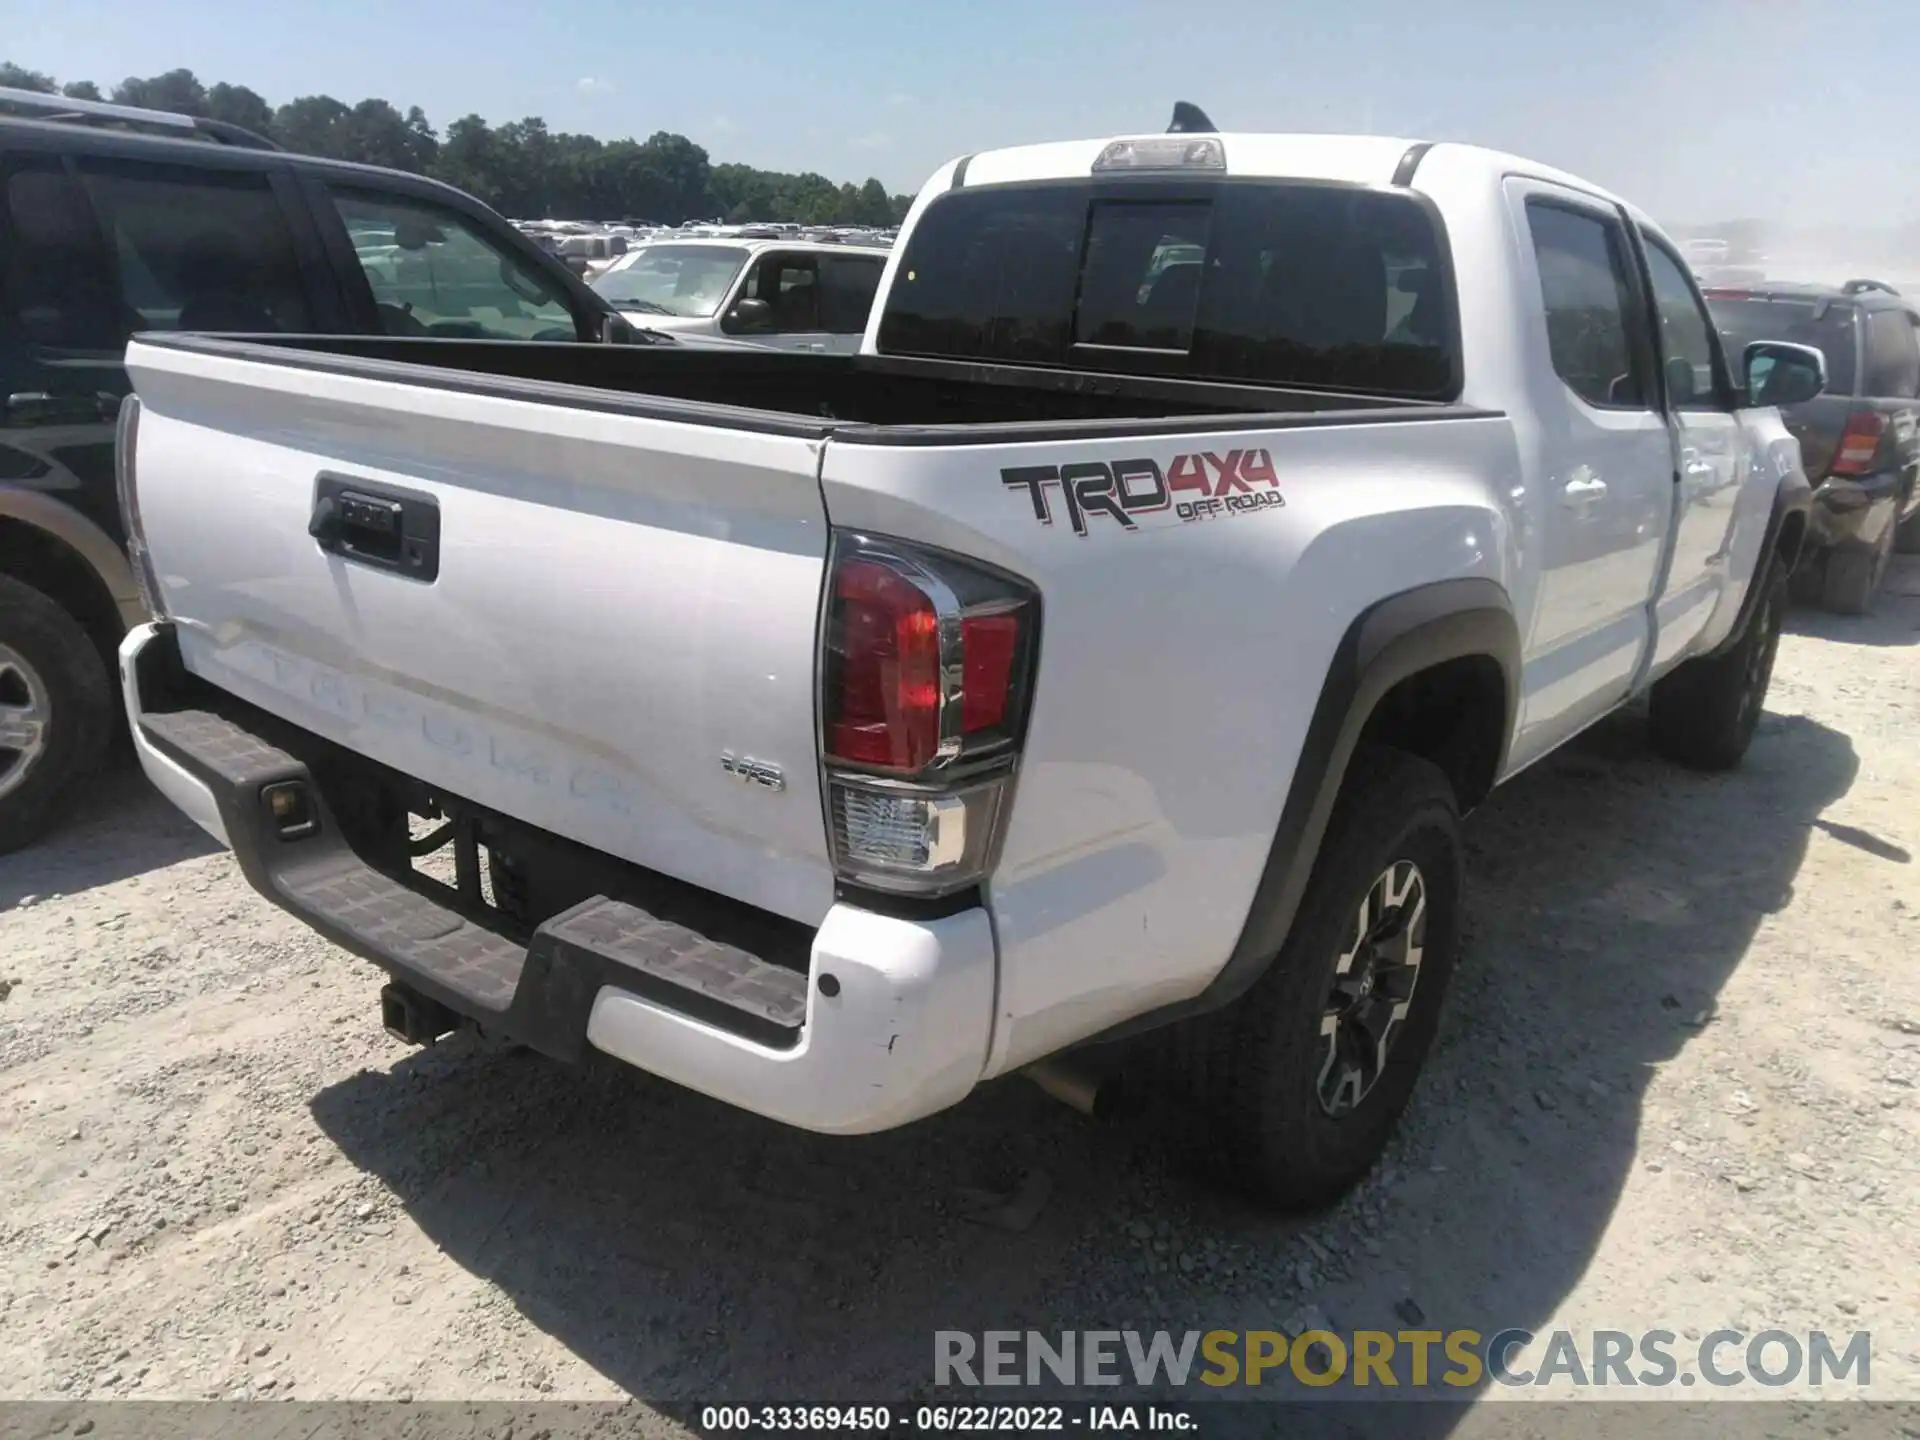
[1704,713]
[56,712]
[1306,1075]
[1853,576]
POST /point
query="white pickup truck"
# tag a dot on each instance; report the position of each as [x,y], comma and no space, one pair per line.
[1106,653]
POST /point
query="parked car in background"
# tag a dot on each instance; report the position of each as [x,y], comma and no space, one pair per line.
[1860,438]
[588,255]
[114,221]
[790,294]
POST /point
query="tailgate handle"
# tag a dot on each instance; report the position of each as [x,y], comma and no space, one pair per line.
[384,527]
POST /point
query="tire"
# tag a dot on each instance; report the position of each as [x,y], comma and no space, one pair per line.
[1704,713]
[1809,580]
[1853,577]
[1263,1066]
[56,712]
[1906,539]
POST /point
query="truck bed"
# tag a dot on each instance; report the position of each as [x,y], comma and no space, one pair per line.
[609,574]
[778,392]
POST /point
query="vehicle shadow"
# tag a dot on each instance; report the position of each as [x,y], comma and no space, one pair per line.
[121,827]
[686,1251]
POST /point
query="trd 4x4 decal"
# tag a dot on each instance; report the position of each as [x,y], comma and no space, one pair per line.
[1235,483]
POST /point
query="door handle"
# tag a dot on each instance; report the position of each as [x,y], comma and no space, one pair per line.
[381,526]
[1583,492]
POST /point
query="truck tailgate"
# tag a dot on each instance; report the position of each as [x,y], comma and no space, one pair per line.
[620,601]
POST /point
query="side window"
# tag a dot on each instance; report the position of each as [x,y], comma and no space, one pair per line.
[1687,350]
[200,249]
[1893,359]
[790,284]
[1583,266]
[435,272]
[56,275]
[847,287]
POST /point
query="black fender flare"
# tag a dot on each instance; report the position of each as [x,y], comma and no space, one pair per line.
[1391,640]
[1793,496]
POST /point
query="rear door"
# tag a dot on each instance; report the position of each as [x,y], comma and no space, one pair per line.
[98,247]
[62,330]
[1602,462]
[591,606]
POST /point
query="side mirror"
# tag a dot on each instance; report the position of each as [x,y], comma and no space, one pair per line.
[750,315]
[616,330]
[1779,373]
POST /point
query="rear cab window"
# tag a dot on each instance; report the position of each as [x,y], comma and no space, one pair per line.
[1300,284]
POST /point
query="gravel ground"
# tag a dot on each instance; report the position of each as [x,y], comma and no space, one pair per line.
[1678,1085]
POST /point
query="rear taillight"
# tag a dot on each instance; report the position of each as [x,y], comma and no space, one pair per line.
[1859,443]
[925,669]
[126,434]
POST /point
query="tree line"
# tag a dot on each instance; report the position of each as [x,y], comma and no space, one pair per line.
[521,168]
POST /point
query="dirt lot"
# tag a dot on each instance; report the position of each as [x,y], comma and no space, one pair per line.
[1679,1085]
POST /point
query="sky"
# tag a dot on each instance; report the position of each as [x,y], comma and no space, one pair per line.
[1780,109]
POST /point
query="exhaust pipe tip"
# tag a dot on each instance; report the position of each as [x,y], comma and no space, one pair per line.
[1092,1095]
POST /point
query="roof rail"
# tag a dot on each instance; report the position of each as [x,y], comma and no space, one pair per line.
[36,106]
[1857,287]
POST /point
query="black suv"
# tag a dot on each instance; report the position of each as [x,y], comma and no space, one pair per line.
[115,220]
[1860,438]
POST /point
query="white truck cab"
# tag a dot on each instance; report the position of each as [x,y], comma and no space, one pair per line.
[787,294]
[1105,653]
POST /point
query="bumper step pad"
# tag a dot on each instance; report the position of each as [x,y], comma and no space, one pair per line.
[540,994]
[680,957]
[480,969]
